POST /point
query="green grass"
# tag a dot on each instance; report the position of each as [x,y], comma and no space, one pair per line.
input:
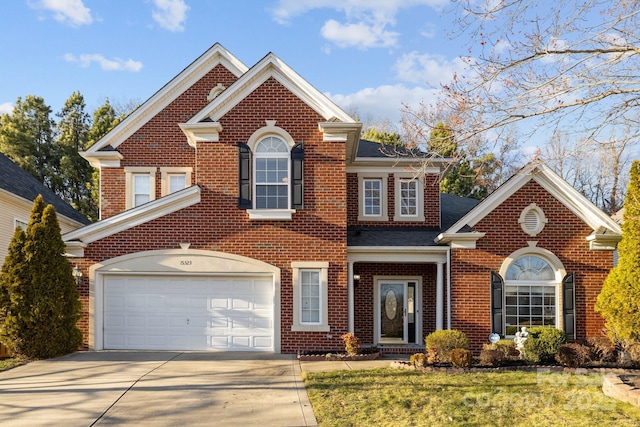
[10,363]
[398,397]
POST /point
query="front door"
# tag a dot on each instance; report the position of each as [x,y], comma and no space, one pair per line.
[393,312]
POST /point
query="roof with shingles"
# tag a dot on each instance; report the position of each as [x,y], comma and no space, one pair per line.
[18,181]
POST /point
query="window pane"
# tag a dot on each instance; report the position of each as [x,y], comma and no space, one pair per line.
[177,182]
[408,197]
[530,267]
[141,189]
[527,305]
[372,196]
[310,296]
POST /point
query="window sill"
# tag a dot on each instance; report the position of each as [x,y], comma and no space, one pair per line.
[271,214]
[408,219]
[310,328]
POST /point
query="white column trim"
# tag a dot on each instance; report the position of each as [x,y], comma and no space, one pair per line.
[440,296]
[350,298]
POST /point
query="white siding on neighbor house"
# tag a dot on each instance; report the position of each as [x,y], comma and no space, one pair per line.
[12,208]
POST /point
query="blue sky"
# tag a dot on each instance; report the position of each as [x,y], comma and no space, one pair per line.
[369,56]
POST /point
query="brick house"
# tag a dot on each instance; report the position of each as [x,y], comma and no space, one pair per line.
[241,211]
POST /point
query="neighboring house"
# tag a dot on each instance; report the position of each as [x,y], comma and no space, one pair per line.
[241,211]
[18,190]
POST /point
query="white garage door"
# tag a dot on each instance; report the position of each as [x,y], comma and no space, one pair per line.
[188,313]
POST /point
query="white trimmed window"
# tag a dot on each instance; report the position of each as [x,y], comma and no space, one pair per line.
[140,182]
[18,223]
[409,194]
[372,197]
[271,157]
[310,296]
[175,179]
[531,294]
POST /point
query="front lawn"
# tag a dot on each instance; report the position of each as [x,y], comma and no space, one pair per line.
[401,397]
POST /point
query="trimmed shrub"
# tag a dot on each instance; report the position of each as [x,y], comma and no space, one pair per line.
[542,344]
[573,355]
[461,358]
[603,349]
[491,357]
[351,343]
[440,344]
[508,347]
[419,360]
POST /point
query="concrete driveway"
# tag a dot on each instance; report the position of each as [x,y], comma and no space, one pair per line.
[156,389]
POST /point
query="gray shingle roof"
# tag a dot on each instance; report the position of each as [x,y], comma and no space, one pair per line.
[18,181]
[452,207]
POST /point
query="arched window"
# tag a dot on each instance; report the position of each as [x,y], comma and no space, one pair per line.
[530,294]
[271,158]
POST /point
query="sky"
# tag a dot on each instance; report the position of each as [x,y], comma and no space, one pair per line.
[368,56]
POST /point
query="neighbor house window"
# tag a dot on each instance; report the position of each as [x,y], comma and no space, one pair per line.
[409,198]
[20,224]
[310,293]
[530,294]
[140,183]
[175,179]
[372,197]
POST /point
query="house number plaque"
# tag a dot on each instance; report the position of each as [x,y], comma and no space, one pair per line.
[186,262]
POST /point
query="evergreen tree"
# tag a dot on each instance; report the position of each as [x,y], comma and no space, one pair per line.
[442,141]
[375,135]
[41,305]
[27,138]
[619,299]
[76,172]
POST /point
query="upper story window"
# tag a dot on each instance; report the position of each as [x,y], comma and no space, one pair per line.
[175,179]
[409,198]
[270,174]
[18,223]
[140,183]
[372,197]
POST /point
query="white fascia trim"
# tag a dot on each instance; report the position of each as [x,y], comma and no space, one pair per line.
[403,254]
[577,203]
[168,93]
[201,132]
[74,249]
[103,159]
[404,169]
[270,66]
[338,131]
[460,240]
[136,216]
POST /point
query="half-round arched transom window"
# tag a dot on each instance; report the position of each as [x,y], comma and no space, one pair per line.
[530,267]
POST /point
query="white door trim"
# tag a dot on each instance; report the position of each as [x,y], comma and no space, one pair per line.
[417,304]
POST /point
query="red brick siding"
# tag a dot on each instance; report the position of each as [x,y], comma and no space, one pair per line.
[152,143]
[564,235]
[316,233]
[431,204]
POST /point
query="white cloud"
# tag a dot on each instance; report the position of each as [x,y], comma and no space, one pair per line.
[384,102]
[425,68]
[116,64]
[68,12]
[366,22]
[358,35]
[170,14]
[6,108]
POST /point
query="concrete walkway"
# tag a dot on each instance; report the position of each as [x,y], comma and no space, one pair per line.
[156,389]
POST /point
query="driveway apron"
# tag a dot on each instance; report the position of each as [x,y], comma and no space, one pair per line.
[156,389]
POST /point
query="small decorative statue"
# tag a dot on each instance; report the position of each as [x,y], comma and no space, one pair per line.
[521,337]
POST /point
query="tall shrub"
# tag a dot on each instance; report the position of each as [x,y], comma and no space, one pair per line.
[41,306]
[619,299]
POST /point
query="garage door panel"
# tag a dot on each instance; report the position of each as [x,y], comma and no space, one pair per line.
[183,313]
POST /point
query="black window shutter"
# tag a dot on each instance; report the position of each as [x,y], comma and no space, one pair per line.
[297,176]
[569,305]
[497,290]
[244,176]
